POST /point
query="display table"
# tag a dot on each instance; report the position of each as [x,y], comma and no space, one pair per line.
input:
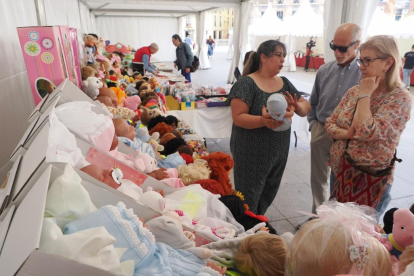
[216,122]
[314,63]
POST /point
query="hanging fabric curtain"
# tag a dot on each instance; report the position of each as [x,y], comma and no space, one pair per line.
[240,37]
[201,41]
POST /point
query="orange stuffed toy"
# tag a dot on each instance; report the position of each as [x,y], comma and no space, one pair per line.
[220,164]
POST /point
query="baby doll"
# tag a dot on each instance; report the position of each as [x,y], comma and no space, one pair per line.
[150,258]
[104,91]
[276,107]
[340,242]
[262,254]
[124,132]
[87,71]
[89,48]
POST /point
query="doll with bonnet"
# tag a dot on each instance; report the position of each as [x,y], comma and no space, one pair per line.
[343,240]
[89,46]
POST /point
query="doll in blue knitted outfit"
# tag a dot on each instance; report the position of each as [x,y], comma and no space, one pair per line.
[150,257]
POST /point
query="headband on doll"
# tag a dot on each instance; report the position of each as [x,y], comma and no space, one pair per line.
[117,175]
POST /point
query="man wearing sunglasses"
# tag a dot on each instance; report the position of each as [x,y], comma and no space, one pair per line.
[331,83]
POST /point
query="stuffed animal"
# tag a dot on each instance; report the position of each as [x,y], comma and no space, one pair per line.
[220,165]
[91,87]
[143,135]
[154,200]
[162,129]
[169,230]
[145,163]
[132,102]
[402,232]
[276,107]
[148,114]
[154,142]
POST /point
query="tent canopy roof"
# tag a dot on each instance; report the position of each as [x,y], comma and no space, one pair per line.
[269,24]
[305,22]
[155,8]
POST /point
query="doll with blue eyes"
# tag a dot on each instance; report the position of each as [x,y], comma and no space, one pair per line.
[159,90]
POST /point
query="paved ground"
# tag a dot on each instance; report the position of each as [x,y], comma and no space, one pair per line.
[295,192]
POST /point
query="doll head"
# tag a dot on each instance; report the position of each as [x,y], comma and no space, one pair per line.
[166,137]
[116,64]
[173,145]
[144,86]
[148,114]
[192,172]
[87,71]
[262,254]
[105,100]
[340,242]
[105,91]
[138,84]
[220,165]
[172,121]
[89,40]
[122,129]
[276,106]
[102,175]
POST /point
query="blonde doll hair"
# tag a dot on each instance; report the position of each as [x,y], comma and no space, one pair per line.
[190,173]
[406,258]
[386,46]
[305,256]
[262,254]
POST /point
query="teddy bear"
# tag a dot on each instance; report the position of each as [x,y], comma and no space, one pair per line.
[143,135]
[148,114]
[276,107]
[91,87]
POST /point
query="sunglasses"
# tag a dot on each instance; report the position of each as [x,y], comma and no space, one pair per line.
[342,49]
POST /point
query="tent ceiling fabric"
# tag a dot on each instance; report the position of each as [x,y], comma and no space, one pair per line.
[382,24]
[305,22]
[170,8]
[269,24]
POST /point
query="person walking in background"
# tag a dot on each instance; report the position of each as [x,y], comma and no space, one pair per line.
[211,45]
[184,57]
[188,39]
[332,81]
[408,64]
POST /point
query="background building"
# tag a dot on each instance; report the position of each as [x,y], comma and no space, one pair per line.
[397,8]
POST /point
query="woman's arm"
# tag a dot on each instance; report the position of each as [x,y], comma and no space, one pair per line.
[242,118]
[331,128]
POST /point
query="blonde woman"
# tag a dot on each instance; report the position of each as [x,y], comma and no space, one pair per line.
[366,127]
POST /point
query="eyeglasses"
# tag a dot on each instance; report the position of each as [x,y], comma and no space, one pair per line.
[342,49]
[365,61]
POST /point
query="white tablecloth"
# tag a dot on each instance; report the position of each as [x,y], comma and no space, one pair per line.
[216,122]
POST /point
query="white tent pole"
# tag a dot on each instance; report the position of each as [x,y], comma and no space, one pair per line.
[40,12]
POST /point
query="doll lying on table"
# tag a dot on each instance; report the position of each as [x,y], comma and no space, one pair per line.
[112,238]
[343,240]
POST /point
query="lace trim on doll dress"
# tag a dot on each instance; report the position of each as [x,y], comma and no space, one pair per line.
[129,225]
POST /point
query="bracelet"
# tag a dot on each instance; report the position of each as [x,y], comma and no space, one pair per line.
[363,96]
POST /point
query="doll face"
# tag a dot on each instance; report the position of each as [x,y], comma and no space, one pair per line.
[100,174]
[116,64]
[125,130]
[90,42]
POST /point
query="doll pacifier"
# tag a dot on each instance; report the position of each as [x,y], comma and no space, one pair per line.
[117,175]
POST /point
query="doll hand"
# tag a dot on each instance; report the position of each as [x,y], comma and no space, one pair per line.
[165,173]
[268,121]
[264,229]
[219,269]
[290,111]
[161,192]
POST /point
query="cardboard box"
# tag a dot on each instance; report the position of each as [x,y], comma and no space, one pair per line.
[172,103]
[45,50]
[68,92]
[187,105]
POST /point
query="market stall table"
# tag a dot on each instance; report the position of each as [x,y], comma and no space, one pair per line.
[216,122]
[314,63]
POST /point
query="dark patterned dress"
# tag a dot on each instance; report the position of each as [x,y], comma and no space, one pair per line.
[259,154]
